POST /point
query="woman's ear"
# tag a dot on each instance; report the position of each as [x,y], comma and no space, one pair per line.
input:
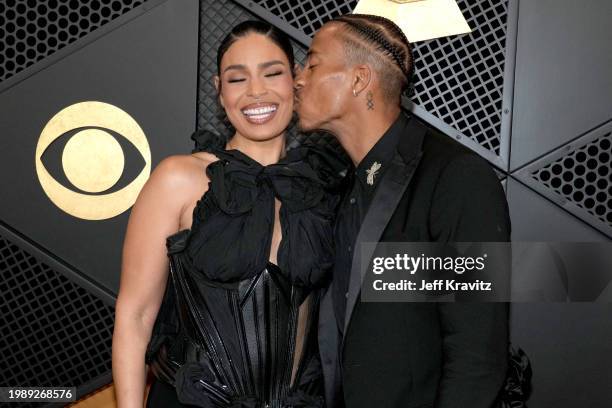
[217,82]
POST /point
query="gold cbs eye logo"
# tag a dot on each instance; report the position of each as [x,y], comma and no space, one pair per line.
[92,160]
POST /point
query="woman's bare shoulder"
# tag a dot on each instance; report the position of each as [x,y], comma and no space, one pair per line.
[183,168]
[178,178]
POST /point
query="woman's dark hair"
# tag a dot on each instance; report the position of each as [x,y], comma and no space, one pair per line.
[258,27]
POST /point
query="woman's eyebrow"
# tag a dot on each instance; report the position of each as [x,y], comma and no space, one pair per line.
[261,65]
[270,63]
[235,66]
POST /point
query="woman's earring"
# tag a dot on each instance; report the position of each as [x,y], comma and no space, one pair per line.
[354,92]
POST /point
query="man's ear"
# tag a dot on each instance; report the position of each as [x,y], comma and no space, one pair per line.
[361,77]
[217,82]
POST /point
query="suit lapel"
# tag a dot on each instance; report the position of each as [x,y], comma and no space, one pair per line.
[386,198]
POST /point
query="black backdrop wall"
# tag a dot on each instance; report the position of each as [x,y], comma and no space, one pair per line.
[529,89]
[60,272]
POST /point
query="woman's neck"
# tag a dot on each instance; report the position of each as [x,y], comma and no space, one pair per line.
[264,152]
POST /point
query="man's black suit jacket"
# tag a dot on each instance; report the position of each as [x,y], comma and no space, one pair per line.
[422,354]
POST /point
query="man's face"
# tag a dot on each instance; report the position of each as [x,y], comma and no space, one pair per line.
[323,87]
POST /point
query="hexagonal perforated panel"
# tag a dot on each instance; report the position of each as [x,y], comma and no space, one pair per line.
[584,177]
[54,332]
[30,30]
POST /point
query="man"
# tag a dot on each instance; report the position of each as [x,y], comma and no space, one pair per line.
[411,183]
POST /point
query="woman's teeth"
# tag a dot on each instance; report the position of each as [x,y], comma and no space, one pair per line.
[259,115]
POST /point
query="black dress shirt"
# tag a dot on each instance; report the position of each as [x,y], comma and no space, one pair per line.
[362,185]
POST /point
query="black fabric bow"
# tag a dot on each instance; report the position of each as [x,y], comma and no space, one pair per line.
[232,229]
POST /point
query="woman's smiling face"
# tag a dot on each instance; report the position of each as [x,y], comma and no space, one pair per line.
[255,87]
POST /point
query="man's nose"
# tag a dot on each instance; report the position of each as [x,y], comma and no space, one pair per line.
[297,70]
[298,81]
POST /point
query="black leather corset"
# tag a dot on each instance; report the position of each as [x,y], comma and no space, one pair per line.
[232,344]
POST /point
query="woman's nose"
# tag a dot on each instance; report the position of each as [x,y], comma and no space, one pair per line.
[256,89]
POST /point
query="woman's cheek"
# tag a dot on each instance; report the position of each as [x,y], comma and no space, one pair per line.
[288,85]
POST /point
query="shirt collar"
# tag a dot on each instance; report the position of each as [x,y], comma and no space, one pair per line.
[376,161]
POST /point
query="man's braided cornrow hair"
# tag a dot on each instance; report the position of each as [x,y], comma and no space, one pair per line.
[368,27]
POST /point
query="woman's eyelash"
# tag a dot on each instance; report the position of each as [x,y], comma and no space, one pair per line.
[272,74]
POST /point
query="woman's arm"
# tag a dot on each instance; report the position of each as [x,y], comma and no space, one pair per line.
[172,187]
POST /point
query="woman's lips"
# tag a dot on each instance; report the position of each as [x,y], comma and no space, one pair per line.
[259,113]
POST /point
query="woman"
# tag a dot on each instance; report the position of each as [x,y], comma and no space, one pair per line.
[247,241]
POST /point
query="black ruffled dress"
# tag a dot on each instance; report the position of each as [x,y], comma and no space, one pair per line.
[225,335]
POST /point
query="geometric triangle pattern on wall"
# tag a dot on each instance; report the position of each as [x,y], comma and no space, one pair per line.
[578,177]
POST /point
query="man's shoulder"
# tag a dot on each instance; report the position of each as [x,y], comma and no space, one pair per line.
[441,146]
[445,160]
[439,150]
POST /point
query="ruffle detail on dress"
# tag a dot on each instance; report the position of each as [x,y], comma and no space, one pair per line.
[206,139]
[190,383]
[195,385]
[232,228]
